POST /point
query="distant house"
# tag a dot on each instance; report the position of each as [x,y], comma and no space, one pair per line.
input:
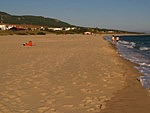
[67,29]
[110,31]
[17,28]
[56,29]
[3,27]
[87,33]
[10,26]
[70,28]
[42,28]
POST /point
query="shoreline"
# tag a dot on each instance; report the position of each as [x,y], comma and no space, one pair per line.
[67,73]
[133,98]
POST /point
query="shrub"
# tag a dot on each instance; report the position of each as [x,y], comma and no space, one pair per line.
[32,33]
[22,34]
[41,33]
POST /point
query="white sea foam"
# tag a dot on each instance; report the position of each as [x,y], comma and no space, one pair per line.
[144,64]
[138,53]
[128,44]
[144,48]
[134,53]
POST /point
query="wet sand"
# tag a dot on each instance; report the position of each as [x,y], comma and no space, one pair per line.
[67,74]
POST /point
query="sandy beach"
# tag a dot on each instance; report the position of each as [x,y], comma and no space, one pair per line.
[67,74]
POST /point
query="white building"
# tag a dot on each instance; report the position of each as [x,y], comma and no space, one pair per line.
[110,31]
[88,33]
[9,27]
[3,27]
[56,29]
[70,28]
[60,29]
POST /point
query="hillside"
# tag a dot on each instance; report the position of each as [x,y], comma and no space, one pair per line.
[31,20]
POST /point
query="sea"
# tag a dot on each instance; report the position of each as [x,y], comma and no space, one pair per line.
[137,50]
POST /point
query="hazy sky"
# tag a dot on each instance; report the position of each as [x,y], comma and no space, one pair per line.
[132,15]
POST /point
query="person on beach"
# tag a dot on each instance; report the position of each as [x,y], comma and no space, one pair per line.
[117,39]
[113,39]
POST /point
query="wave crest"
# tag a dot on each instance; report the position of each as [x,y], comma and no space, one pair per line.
[144,48]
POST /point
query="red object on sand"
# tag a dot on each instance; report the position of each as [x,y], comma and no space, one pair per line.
[29,43]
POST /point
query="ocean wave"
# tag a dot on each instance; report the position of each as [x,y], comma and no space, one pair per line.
[128,44]
[145,81]
[137,50]
[144,64]
[144,70]
[144,48]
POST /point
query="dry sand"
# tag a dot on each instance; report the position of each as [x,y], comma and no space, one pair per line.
[67,74]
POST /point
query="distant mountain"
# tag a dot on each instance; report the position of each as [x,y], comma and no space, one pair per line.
[31,20]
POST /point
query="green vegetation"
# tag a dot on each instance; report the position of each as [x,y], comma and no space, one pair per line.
[23,32]
[38,25]
[31,20]
[41,33]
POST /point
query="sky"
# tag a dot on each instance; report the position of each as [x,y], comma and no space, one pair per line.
[130,15]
